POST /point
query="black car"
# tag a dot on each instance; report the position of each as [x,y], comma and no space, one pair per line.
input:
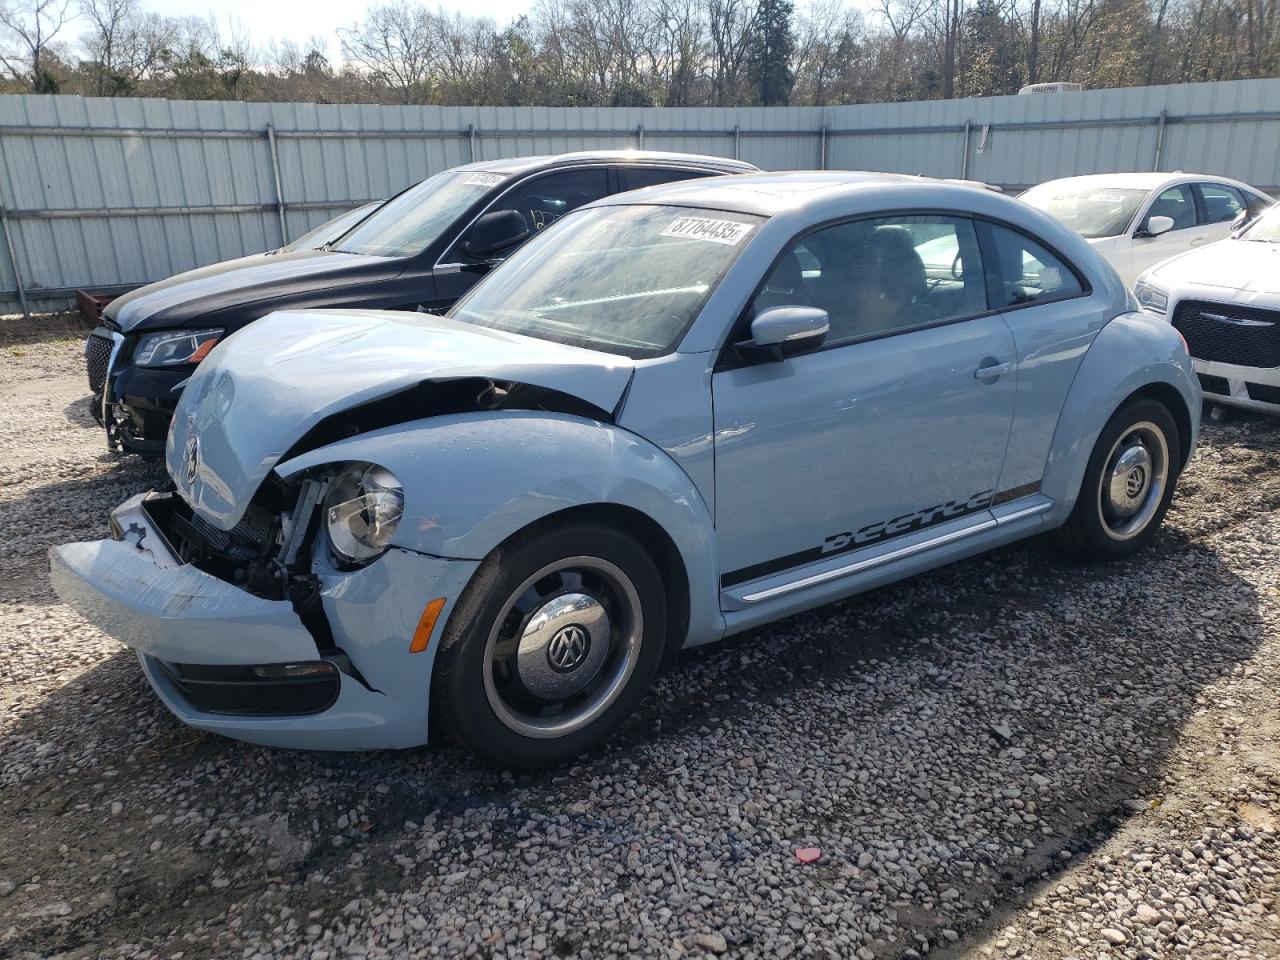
[422,249]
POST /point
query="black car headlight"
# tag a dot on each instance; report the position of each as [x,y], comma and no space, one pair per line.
[1151,298]
[174,347]
[361,511]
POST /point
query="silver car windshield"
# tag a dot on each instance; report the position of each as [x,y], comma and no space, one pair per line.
[627,280]
[411,222]
[1096,211]
[1266,229]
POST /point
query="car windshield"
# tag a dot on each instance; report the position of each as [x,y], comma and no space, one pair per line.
[1266,229]
[411,222]
[1094,211]
[626,280]
[330,230]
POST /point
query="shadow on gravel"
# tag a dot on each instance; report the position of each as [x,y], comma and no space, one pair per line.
[969,730]
[74,508]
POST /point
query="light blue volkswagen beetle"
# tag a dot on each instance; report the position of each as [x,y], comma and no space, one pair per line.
[681,413]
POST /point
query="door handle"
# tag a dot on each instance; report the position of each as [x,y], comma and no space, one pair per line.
[1199,240]
[990,370]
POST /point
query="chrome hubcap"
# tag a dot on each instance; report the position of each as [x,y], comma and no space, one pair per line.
[563,647]
[1133,483]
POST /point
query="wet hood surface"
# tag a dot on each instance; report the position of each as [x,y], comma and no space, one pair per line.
[263,388]
[182,300]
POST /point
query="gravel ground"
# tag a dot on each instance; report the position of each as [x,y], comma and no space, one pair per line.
[1018,756]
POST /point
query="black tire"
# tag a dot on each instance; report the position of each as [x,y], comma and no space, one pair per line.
[1093,531]
[489,716]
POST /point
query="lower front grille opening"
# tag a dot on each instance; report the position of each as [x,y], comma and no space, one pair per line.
[1211,384]
[1263,392]
[260,690]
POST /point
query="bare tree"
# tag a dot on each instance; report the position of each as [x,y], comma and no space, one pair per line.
[124,44]
[27,30]
[398,45]
[729,25]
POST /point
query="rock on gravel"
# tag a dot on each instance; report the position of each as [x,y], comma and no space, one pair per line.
[961,748]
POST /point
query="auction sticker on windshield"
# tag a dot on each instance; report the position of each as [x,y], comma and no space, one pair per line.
[483,180]
[703,228]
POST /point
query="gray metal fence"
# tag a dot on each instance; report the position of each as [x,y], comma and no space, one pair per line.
[106,194]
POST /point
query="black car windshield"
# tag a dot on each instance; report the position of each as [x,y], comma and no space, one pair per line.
[627,279]
[330,230]
[411,222]
[1093,211]
[1266,229]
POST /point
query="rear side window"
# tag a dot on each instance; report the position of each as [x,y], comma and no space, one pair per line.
[633,178]
[1021,271]
[1222,203]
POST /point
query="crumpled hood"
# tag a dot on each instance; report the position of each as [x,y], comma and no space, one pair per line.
[261,389]
[187,296]
[1229,264]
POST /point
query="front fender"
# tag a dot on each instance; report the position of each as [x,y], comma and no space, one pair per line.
[472,480]
[1132,352]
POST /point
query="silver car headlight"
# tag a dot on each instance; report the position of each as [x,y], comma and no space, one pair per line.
[1152,298]
[362,510]
[175,347]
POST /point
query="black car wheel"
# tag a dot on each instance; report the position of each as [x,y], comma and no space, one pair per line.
[551,646]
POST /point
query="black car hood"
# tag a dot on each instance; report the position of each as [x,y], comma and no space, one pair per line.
[189,297]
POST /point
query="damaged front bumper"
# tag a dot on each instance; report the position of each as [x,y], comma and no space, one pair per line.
[225,660]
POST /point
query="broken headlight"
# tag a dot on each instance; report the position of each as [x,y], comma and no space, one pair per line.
[361,511]
[173,347]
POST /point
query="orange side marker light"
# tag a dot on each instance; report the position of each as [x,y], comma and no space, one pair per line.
[426,624]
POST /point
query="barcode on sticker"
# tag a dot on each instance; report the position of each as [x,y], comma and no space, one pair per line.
[1107,197]
[703,228]
[483,180]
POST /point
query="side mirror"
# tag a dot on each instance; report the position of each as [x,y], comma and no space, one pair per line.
[1241,221]
[494,231]
[781,332]
[1155,226]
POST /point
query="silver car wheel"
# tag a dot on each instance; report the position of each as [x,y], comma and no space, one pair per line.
[1133,481]
[563,647]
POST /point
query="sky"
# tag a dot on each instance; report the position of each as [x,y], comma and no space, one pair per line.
[300,20]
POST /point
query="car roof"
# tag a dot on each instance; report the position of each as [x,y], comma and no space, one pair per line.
[513,165]
[765,194]
[1135,181]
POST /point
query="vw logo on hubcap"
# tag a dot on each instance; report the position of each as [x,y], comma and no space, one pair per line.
[568,648]
[1136,481]
[191,457]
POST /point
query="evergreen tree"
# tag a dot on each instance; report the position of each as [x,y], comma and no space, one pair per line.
[773,43]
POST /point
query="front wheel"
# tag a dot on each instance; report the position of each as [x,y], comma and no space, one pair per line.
[1127,484]
[551,646]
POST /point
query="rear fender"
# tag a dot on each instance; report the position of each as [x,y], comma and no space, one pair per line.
[1131,354]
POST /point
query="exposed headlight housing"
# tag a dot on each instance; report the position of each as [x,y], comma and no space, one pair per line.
[1152,298]
[361,511]
[170,348]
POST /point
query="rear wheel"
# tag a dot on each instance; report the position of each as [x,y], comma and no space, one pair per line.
[1127,485]
[552,644]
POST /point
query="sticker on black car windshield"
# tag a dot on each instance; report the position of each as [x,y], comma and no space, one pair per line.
[483,180]
[704,228]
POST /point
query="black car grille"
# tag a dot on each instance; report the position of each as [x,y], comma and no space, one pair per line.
[1224,333]
[97,354]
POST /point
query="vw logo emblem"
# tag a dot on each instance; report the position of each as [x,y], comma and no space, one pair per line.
[191,457]
[568,648]
[1136,480]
